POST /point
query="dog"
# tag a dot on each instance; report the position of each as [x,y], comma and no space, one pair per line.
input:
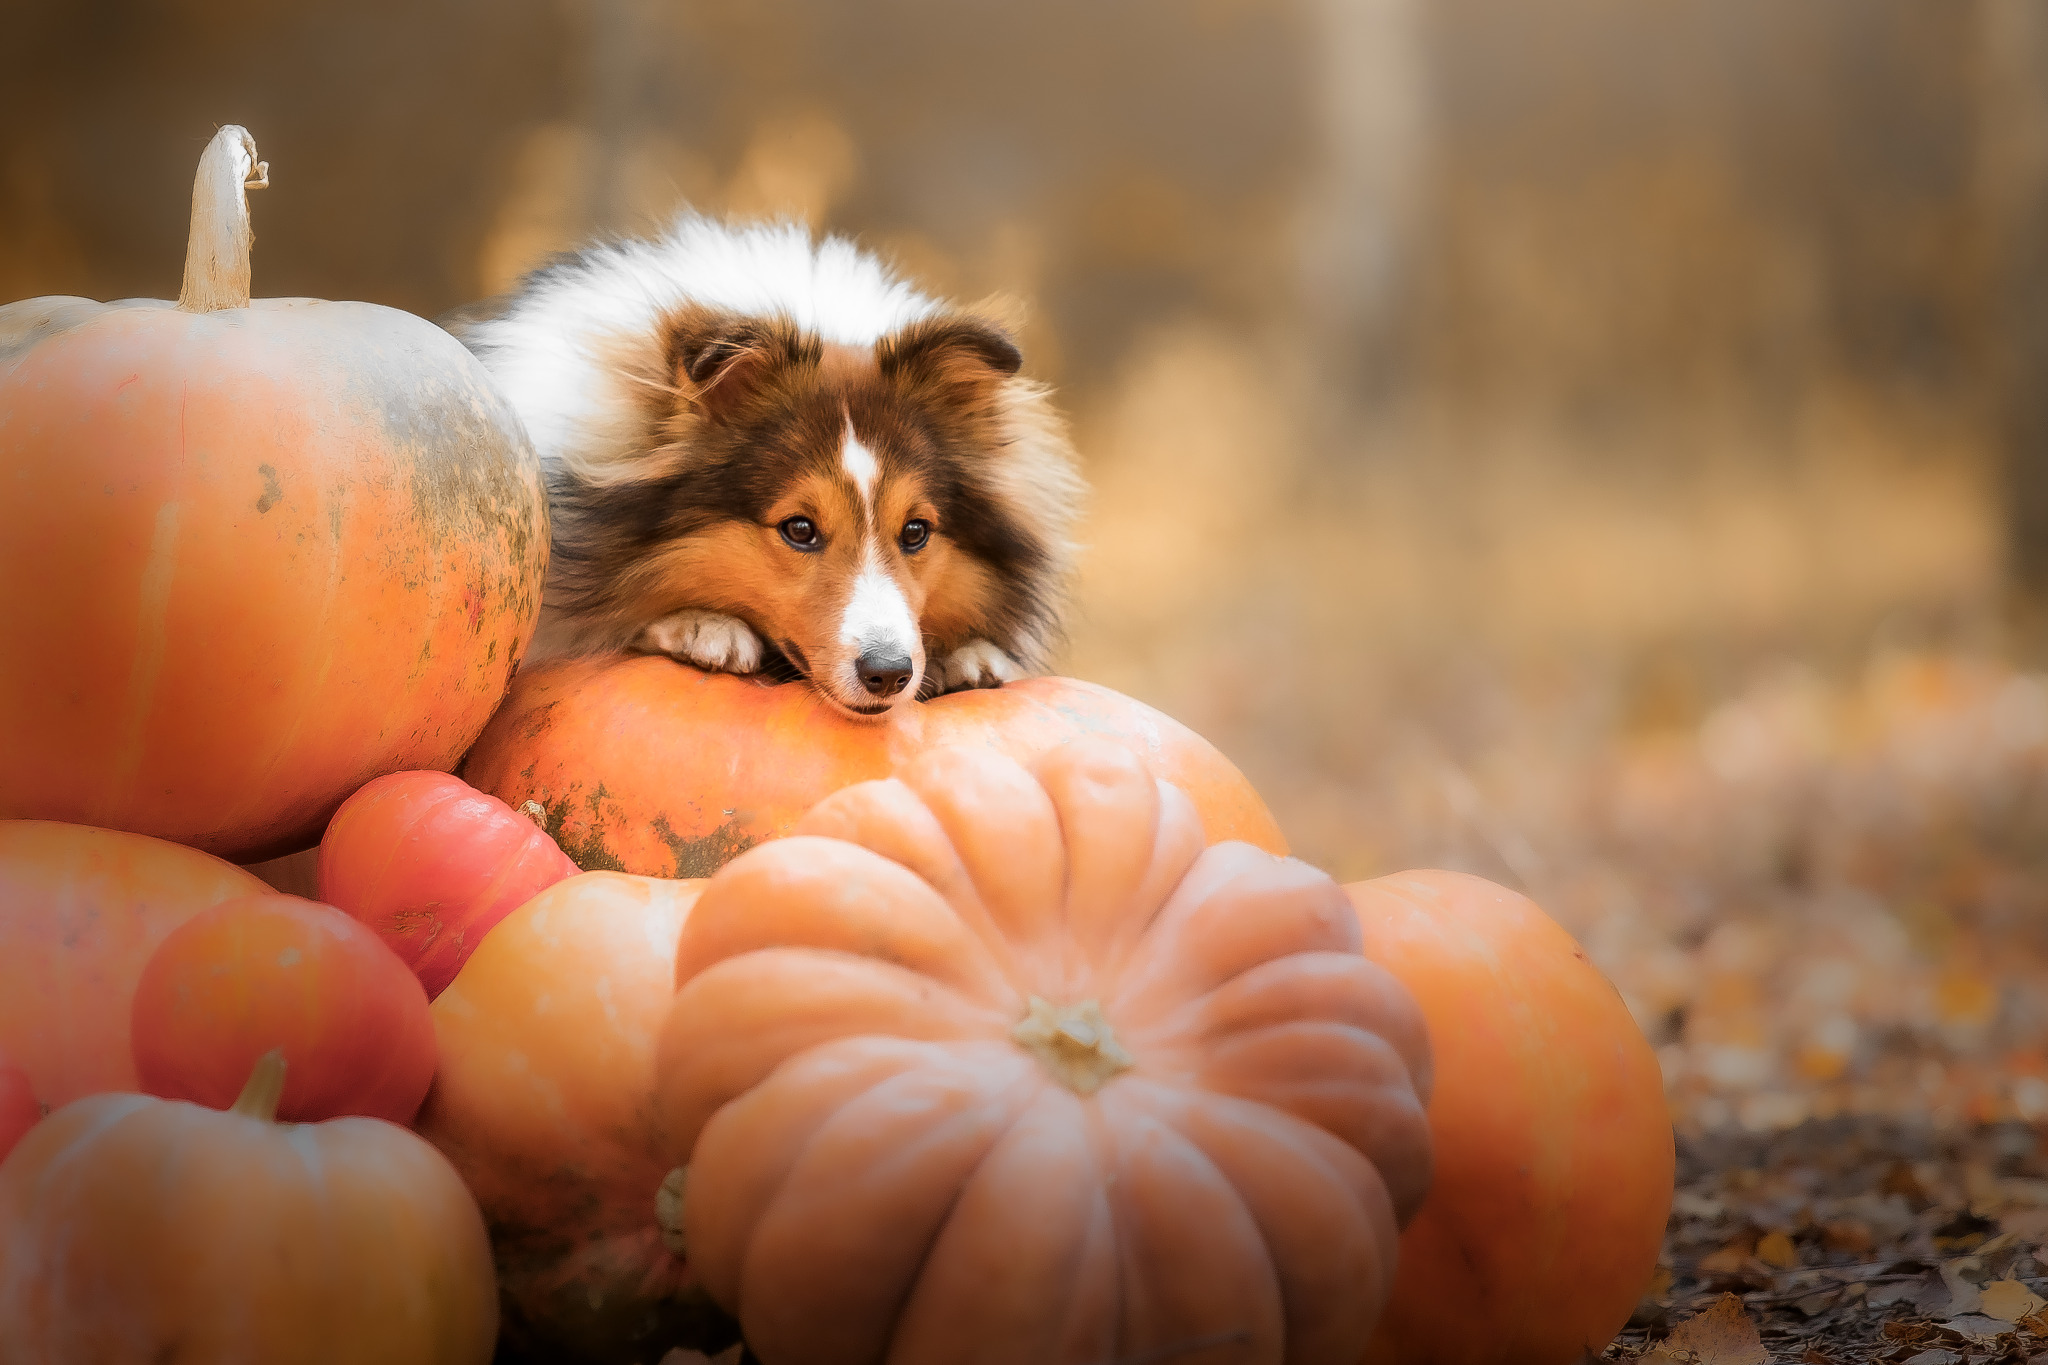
[768,453]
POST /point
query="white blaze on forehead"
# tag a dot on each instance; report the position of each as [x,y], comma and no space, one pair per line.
[859,463]
[878,619]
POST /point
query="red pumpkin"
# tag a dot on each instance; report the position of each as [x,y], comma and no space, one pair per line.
[272,972]
[254,553]
[1553,1142]
[431,863]
[544,1102]
[137,1229]
[19,1110]
[1009,1068]
[81,911]
[644,765]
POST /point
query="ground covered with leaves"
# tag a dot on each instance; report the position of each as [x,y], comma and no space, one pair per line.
[1827,903]
[1852,1240]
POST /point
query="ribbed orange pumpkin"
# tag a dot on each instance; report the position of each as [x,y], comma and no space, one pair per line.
[544,1102]
[644,765]
[254,553]
[1010,1068]
[1553,1142]
[81,911]
[136,1229]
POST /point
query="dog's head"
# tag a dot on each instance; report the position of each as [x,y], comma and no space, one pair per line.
[844,501]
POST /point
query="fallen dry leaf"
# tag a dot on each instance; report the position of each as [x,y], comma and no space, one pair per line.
[1978,1327]
[1723,1335]
[2009,1301]
[1776,1249]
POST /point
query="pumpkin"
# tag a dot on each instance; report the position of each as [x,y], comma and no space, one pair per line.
[645,765]
[995,1064]
[135,1229]
[254,553]
[431,864]
[1553,1142]
[81,911]
[19,1109]
[544,1103]
[270,971]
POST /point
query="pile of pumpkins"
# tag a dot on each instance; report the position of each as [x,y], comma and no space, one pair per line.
[1002,1031]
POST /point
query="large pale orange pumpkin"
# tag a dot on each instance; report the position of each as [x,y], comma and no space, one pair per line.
[135,1229]
[1553,1142]
[544,1102]
[1010,1068]
[81,912]
[254,554]
[645,765]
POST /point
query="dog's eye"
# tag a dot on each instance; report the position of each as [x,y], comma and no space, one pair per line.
[800,532]
[915,533]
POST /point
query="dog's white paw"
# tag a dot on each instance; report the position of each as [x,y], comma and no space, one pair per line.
[708,639]
[978,664]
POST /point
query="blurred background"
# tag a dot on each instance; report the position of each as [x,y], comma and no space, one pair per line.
[1599,446]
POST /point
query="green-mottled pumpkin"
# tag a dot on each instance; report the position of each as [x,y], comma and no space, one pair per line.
[254,553]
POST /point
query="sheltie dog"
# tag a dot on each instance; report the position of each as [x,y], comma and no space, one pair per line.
[764,453]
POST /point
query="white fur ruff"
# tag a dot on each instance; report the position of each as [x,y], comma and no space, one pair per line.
[554,353]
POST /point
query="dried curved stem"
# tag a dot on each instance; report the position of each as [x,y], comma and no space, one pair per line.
[217,249]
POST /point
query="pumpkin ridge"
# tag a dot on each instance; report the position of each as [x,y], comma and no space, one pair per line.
[858,1065]
[1147,1106]
[859,988]
[831,900]
[959,1188]
[844,1122]
[1303,1150]
[1206,934]
[112,1110]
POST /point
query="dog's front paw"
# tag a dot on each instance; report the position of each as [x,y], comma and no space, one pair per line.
[708,639]
[978,664]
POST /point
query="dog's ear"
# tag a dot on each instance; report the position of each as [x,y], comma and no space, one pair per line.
[720,360]
[958,351]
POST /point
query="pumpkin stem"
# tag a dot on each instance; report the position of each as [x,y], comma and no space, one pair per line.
[259,1097]
[668,1209]
[217,249]
[1075,1043]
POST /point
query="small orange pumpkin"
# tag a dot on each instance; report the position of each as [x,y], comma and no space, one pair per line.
[645,765]
[81,912]
[139,1229]
[263,972]
[544,1103]
[1553,1142]
[431,864]
[254,553]
[1010,1068]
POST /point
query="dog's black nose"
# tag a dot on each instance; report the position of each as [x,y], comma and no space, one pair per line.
[883,675]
